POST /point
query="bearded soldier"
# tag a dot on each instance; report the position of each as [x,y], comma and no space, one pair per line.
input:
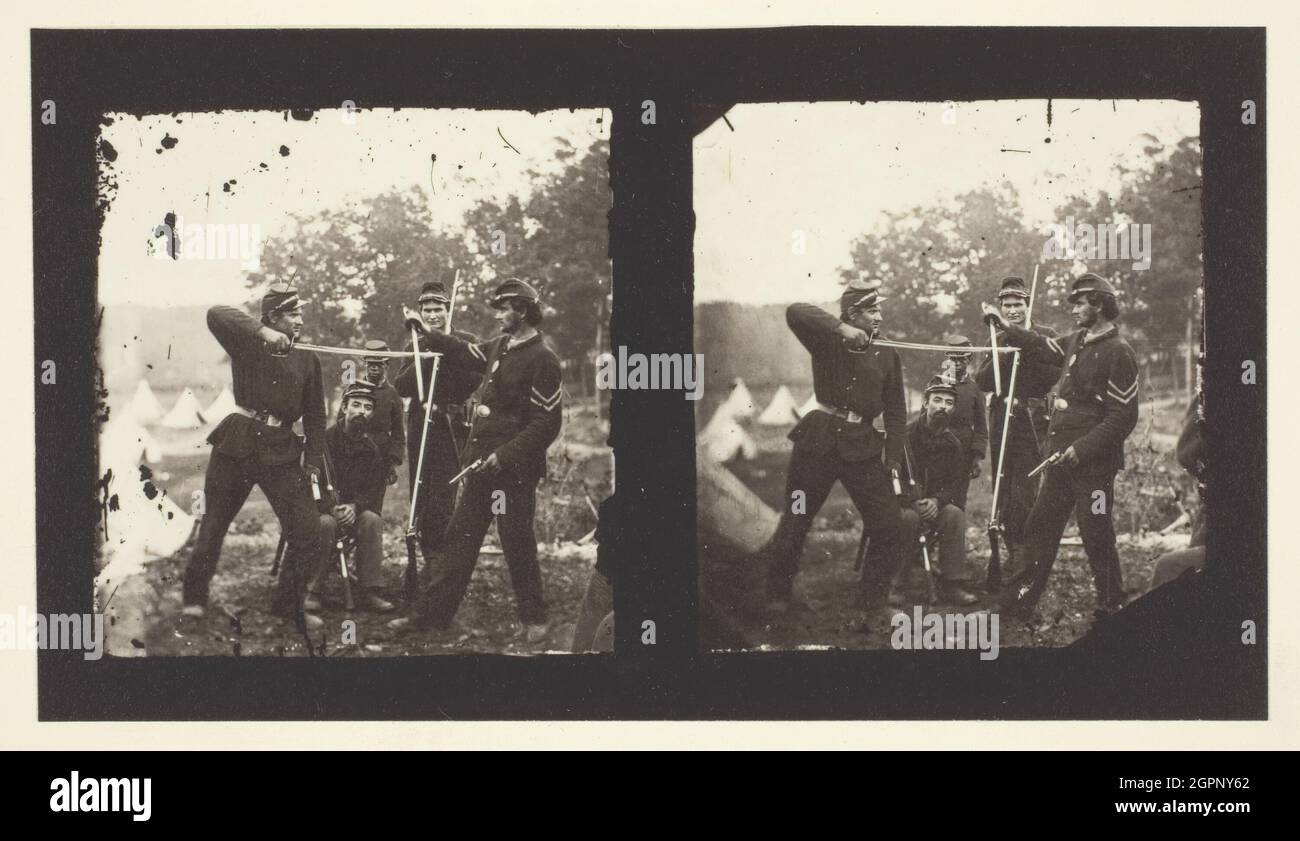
[359,470]
[517,416]
[1028,432]
[939,476]
[274,384]
[853,383]
[1095,409]
[447,427]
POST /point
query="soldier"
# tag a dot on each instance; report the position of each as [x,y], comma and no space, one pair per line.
[359,469]
[967,421]
[1028,432]
[447,428]
[1095,409]
[853,383]
[275,384]
[386,424]
[940,465]
[516,418]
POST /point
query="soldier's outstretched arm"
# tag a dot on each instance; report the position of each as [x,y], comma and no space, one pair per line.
[1036,347]
[544,415]
[1120,404]
[457,352]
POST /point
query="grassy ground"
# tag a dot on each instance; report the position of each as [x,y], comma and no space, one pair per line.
[243,584]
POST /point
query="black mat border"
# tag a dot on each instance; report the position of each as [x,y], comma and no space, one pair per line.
[88,73]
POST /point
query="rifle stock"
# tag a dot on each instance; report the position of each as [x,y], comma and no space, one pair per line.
[412,577]
[993,581]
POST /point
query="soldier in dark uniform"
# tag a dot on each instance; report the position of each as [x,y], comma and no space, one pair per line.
[517,416]
[359,470]
[853,382]
[1096,407]
[967,422]
[939,461]
[386,425]
[447,427]
[274,384]
[1028,432]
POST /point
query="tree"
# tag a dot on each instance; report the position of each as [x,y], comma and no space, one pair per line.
[356,266]
[937,264]
[1161,304]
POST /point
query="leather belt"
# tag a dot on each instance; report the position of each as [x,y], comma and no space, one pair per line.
[1030,402]
[843,414]
[263,417]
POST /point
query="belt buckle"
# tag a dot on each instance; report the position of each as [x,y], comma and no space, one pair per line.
[852,416]
[272,421]
[1061,403]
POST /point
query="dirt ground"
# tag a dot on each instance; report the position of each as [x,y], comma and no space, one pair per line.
[239,622]
[826,580]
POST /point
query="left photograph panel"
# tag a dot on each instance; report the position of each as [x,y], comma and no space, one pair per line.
[348,382]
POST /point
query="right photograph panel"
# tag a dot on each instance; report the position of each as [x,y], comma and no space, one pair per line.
[952,350]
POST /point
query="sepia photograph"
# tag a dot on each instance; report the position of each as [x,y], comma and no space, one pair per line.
[953,355]
[347,382]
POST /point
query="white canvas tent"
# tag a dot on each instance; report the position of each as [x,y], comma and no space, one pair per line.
[723,439]
[740,403]
[145,407]
[782,411]
[141,525]
[123,441]
[186,414]
[222,406]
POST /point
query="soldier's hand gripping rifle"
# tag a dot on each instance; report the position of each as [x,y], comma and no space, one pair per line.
[412,578]
[993,581]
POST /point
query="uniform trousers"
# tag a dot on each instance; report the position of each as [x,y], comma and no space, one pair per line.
[437,498]
[514,507]
[950,525]
[226,487]
[1091,497]
[1018,492]
[871,490]
[368,531]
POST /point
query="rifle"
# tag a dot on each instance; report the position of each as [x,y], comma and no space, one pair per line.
[338,539]
[412,578]
[993,582]
[930,589]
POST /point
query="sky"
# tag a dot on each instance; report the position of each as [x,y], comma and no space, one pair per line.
[330,162]
[830,170]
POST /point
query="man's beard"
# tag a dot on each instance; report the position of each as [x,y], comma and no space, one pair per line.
[354,424]
[937,421]
[1088,320]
